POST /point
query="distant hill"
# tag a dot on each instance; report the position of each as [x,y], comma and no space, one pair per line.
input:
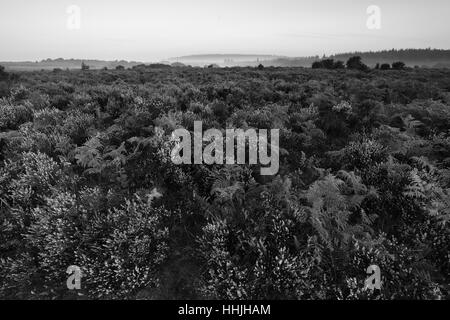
[224,60]
[411,57]
[50,64]
[305,62]
[431,58]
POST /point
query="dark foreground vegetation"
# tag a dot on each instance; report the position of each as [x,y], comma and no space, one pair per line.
[86,179]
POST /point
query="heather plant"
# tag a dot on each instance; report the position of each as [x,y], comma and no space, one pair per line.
[87,179]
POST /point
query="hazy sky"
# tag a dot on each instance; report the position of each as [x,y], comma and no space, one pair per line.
[152,30]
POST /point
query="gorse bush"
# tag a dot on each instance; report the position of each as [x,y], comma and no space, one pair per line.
[12,116]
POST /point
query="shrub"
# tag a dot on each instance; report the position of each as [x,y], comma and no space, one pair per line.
[356,63]
[398,65]
[12,116]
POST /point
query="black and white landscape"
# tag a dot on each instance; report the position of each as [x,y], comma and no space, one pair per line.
[136,137]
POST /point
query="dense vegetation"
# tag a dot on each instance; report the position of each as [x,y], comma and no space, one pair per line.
[434,58]
[421,57]
[86,179]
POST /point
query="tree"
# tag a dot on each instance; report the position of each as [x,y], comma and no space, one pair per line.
[385,66]
[377,66]
[317,65]
[3,74]
[356,63]
[399,65]
[339,65]
[120,68]
[328,63]
[84,66]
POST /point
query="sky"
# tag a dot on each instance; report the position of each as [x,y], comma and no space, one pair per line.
[153,30]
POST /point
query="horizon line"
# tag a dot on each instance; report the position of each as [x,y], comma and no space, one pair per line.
[221,54]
